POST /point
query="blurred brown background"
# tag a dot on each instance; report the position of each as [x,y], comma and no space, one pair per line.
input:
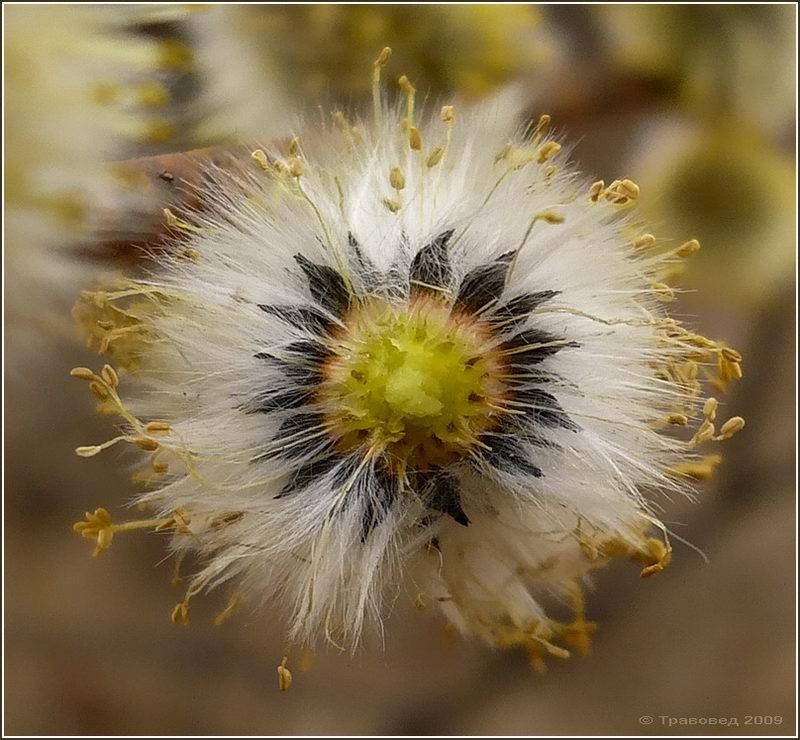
[696,103]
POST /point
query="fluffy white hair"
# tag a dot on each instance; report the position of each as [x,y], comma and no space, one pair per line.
[566,484]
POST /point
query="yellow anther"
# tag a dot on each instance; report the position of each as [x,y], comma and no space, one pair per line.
[596,190]
[645,241]
[284,676]
[704,433]
[392,205]
[542,125]
[145,443]
[688,248]
[448,114]
[383,57]
[700,470]
[548,151]
[180,614]
[663,292]
[550,217]
[414,138]
[397,178]
[82,373]
[295,166]
[99,390]
[734,425]
[158,427]
[731,355]
[110,376]
[434,157]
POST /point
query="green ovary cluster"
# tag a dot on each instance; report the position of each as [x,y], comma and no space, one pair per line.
[416,382]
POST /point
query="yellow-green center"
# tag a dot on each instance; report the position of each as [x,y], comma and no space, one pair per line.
[412,380]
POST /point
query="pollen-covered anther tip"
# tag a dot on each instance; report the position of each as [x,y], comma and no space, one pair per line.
[260,158]
[688,248]
[110,376]
[543,124]
[296,167]
[396,178]
[434,157]
[548,151]
[392,205]
[663,292]
[550,217]
[596,190]
[734,425]
[643,242]
[405,85]
[383,58]
[284,676]
[180,614]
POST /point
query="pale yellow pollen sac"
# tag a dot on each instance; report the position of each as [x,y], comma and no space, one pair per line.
[622,192]
[284,676]
[688,248]
[99,390]
[392,205]
[158,427]
[710,409]
[180,614]
[260,158]
[82,373]
[678,420]
[145,443]
[629,188]
[550,217]
[173,222]
[296,168]
[704,433]
[661,553]
[294,147]
[550,170]
[414,138]
[731,355]
[733,426]
[96,526]
[700,470]
[645,241]
[406,86]
[434,157]
[663,292]
[383,57]
[596,190]
[548,151]
[396,178]
[542,125]
[110,376]
[448,114]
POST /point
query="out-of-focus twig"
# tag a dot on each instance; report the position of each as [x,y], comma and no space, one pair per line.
[165,181]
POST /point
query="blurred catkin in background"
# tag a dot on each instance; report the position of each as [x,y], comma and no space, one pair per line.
[696,103]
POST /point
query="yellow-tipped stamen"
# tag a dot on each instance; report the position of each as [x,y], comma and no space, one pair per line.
[377,66]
